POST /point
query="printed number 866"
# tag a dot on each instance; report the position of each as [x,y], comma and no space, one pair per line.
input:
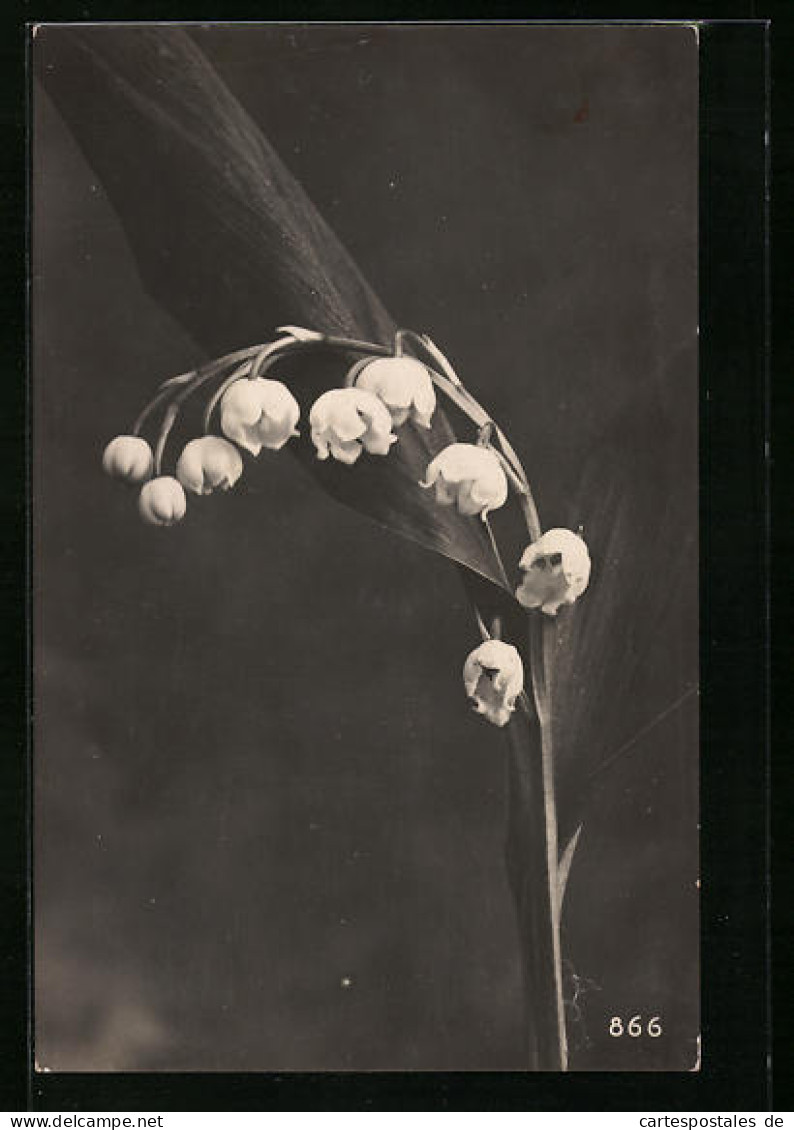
[634,1027]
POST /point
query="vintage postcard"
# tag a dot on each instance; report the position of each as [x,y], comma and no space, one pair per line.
[365,497]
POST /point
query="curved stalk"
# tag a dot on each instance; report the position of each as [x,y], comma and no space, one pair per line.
[256,358]
[525,498]
[174,408]
[423,342]
[165,430]
[193,379]
[153,404]
[449,381]
[270,357]
[532,821]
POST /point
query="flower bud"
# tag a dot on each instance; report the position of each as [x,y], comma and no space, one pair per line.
[468,476]
[129,458]
[347,421]
[162,501]
[493,676]
[556,571]
[404,386]
[209,463]
[259,413]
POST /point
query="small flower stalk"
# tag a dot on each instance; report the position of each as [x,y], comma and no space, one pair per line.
[556,571]
[259,413]
[469,477]
[493,676]
[346,421]
[404,386]
[208,464]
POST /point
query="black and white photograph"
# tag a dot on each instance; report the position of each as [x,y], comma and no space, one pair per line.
[364,397]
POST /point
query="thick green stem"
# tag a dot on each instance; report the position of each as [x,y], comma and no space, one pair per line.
[542,637]
[532,870]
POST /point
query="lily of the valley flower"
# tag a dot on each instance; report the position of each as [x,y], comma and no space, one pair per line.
[468,476]
[259,413]
[162,501]
[404,386]
[347,421]
[556,571]
[493,675]
[129,458]
[209,463]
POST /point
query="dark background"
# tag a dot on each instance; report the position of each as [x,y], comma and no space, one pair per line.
[255,772]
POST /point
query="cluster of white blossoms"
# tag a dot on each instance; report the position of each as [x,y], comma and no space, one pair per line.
[382,394]
[555,571]
[257,413]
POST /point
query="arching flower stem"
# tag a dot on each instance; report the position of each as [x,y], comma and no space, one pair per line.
[257,360]
[525,498]
[423,343]
[254,362]
[156,401]
[172,412]
[165,430]
[193,380]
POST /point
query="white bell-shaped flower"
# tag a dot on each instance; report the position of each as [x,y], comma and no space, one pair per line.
[404,386]
[493,676]
[556,571]
[347,421]
[129,458]
[259,413]
[162,501]
[209,463]
[469,477]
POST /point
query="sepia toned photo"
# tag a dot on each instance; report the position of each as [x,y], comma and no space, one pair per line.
[365,556]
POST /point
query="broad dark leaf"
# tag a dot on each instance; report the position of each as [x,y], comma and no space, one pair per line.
[229,243]
[627,656]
